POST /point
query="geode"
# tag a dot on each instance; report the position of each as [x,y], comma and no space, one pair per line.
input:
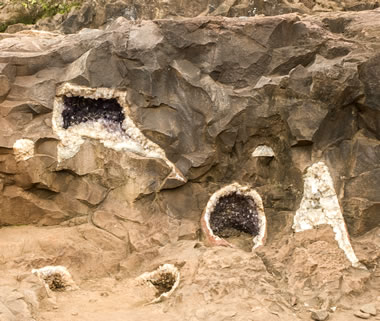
[165,279]
[233,213]
[80,110]
[237,212]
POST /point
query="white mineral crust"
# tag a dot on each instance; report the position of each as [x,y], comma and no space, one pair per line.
[130,140]
[147,277]
[320,205]
[23,149]
[47,271]
[263,151]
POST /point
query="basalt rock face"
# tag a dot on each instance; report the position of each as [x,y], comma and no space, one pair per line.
[208,91]
[97,13]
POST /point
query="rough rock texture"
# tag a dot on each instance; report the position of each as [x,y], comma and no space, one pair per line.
[208,103]
[96,13]
[235,212]
[208,91]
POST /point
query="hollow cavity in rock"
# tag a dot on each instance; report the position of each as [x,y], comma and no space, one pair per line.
[233,215]
[163,282]
[82,113]
[55,278]
[80,110]
[55,282]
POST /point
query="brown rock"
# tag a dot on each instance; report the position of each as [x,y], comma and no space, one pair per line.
[93,14]
[188,230]
[4,86]
[208,91]
[320,315]
[369,308]
[289,87]
[84,247]
[6,313]
[88,191]
[362,315]
[111,223]
[27,207]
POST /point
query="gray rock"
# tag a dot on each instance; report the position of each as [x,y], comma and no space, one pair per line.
[95,14]
[208,91]
[208,112]
[320,315]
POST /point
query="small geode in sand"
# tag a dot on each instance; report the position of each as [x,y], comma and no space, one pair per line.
[55,278]
[164,280]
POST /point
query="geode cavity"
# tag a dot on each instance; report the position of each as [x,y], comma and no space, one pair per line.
[80,110]
[234,212]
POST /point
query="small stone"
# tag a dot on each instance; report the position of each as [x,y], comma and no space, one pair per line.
[362,315]
[369,308]
[263,151]
[320,315]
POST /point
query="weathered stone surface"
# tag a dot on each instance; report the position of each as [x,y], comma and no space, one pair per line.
[4,86]
[111,223]
[369,308]
[44,246]
[362,315]
[6,314]
[94,14]
[208,91]
[208,108]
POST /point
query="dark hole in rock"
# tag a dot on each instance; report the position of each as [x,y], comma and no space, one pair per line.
[164,282]
[80,110]
[55,282]
[234,215]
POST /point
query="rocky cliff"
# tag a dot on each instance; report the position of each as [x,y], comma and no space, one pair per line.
[77,14]
[195,103]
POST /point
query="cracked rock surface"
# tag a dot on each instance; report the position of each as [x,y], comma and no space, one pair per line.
[208,91]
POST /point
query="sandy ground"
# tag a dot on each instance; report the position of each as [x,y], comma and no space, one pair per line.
[228,284]
[285,280]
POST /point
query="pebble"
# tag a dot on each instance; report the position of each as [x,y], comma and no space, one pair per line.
[362,315]
[320,315]
[369,308]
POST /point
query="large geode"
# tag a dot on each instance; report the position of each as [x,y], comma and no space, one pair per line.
[80,110]
[234,212]
[231,211]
